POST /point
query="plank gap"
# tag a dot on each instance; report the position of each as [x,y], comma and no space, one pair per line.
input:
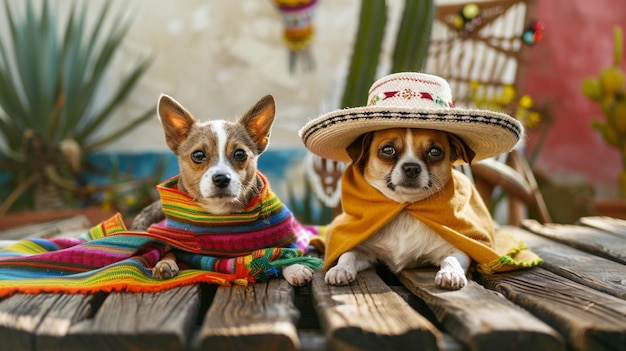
[387,275]
[304,303]
[418,304]
[207,296]
[95,303]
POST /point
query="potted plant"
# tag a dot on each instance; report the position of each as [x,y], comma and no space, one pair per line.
[52,112]
[608,90]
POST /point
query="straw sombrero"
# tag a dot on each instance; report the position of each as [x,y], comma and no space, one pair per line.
[411,100]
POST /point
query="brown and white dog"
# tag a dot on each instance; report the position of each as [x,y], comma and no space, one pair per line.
[406,165]
[218,168]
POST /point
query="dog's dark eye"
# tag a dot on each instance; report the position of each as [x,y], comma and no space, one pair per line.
[435,154]
[239,155]
[388,151]
[198,156]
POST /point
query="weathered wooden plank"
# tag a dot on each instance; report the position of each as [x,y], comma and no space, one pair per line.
[312,340]
[47,229]
[597,242]
[259,316]
[139,321]
[368,315]
[612,225]
[579,266]
[479,318]
[587,318]
[40,322]
[448,342]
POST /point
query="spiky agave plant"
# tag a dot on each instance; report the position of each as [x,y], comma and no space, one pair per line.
[51,111]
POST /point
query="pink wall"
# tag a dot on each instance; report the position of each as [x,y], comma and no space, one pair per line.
[577,42]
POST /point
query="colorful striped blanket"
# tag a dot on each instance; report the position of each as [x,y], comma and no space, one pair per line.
[110,258]
[265,222]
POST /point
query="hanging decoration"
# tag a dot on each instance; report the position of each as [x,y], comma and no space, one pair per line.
[298,30]
[533,32]
[468,19]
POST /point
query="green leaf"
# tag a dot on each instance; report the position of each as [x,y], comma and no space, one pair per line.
[115,101]
[26,51]
[9,99]
[71,71]
[75,74]
[12,132]
[11,88]
[48,67]
[80,106]
[7,151]
[120,131]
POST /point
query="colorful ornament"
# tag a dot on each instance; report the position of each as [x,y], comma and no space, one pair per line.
[298,29]
[468,19]
[533,32]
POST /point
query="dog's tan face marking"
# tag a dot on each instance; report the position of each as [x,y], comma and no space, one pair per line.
[218,159]
[408,165]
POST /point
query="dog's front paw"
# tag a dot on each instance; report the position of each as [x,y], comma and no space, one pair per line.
[165,269]
[340,275]
[297,274]
[451,276]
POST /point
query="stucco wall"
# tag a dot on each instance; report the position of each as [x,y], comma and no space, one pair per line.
[218,57]
[578,41]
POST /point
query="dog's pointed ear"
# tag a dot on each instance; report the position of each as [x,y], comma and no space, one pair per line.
[176,121]
[460,150]
[258,121]
[358,148]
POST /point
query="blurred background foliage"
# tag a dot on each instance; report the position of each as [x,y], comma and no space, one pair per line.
[53,112]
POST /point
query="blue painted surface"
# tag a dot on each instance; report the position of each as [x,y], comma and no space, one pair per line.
[273,163]
[112,167]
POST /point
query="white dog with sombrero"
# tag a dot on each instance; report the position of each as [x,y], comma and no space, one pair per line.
[403,203]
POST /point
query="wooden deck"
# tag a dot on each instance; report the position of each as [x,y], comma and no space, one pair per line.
[575,300]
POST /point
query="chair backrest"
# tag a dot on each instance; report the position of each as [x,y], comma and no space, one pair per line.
[516,179]
[488,51]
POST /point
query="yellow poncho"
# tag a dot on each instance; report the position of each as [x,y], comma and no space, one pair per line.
[457,214]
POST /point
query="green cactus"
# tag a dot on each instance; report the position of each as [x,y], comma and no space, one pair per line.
[413,36]
[410,49]
[366,52]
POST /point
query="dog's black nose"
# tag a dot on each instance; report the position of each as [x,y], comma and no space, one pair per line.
[411,170]
[221,180]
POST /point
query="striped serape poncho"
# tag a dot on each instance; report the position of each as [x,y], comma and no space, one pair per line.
[265,222]
[238,248]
